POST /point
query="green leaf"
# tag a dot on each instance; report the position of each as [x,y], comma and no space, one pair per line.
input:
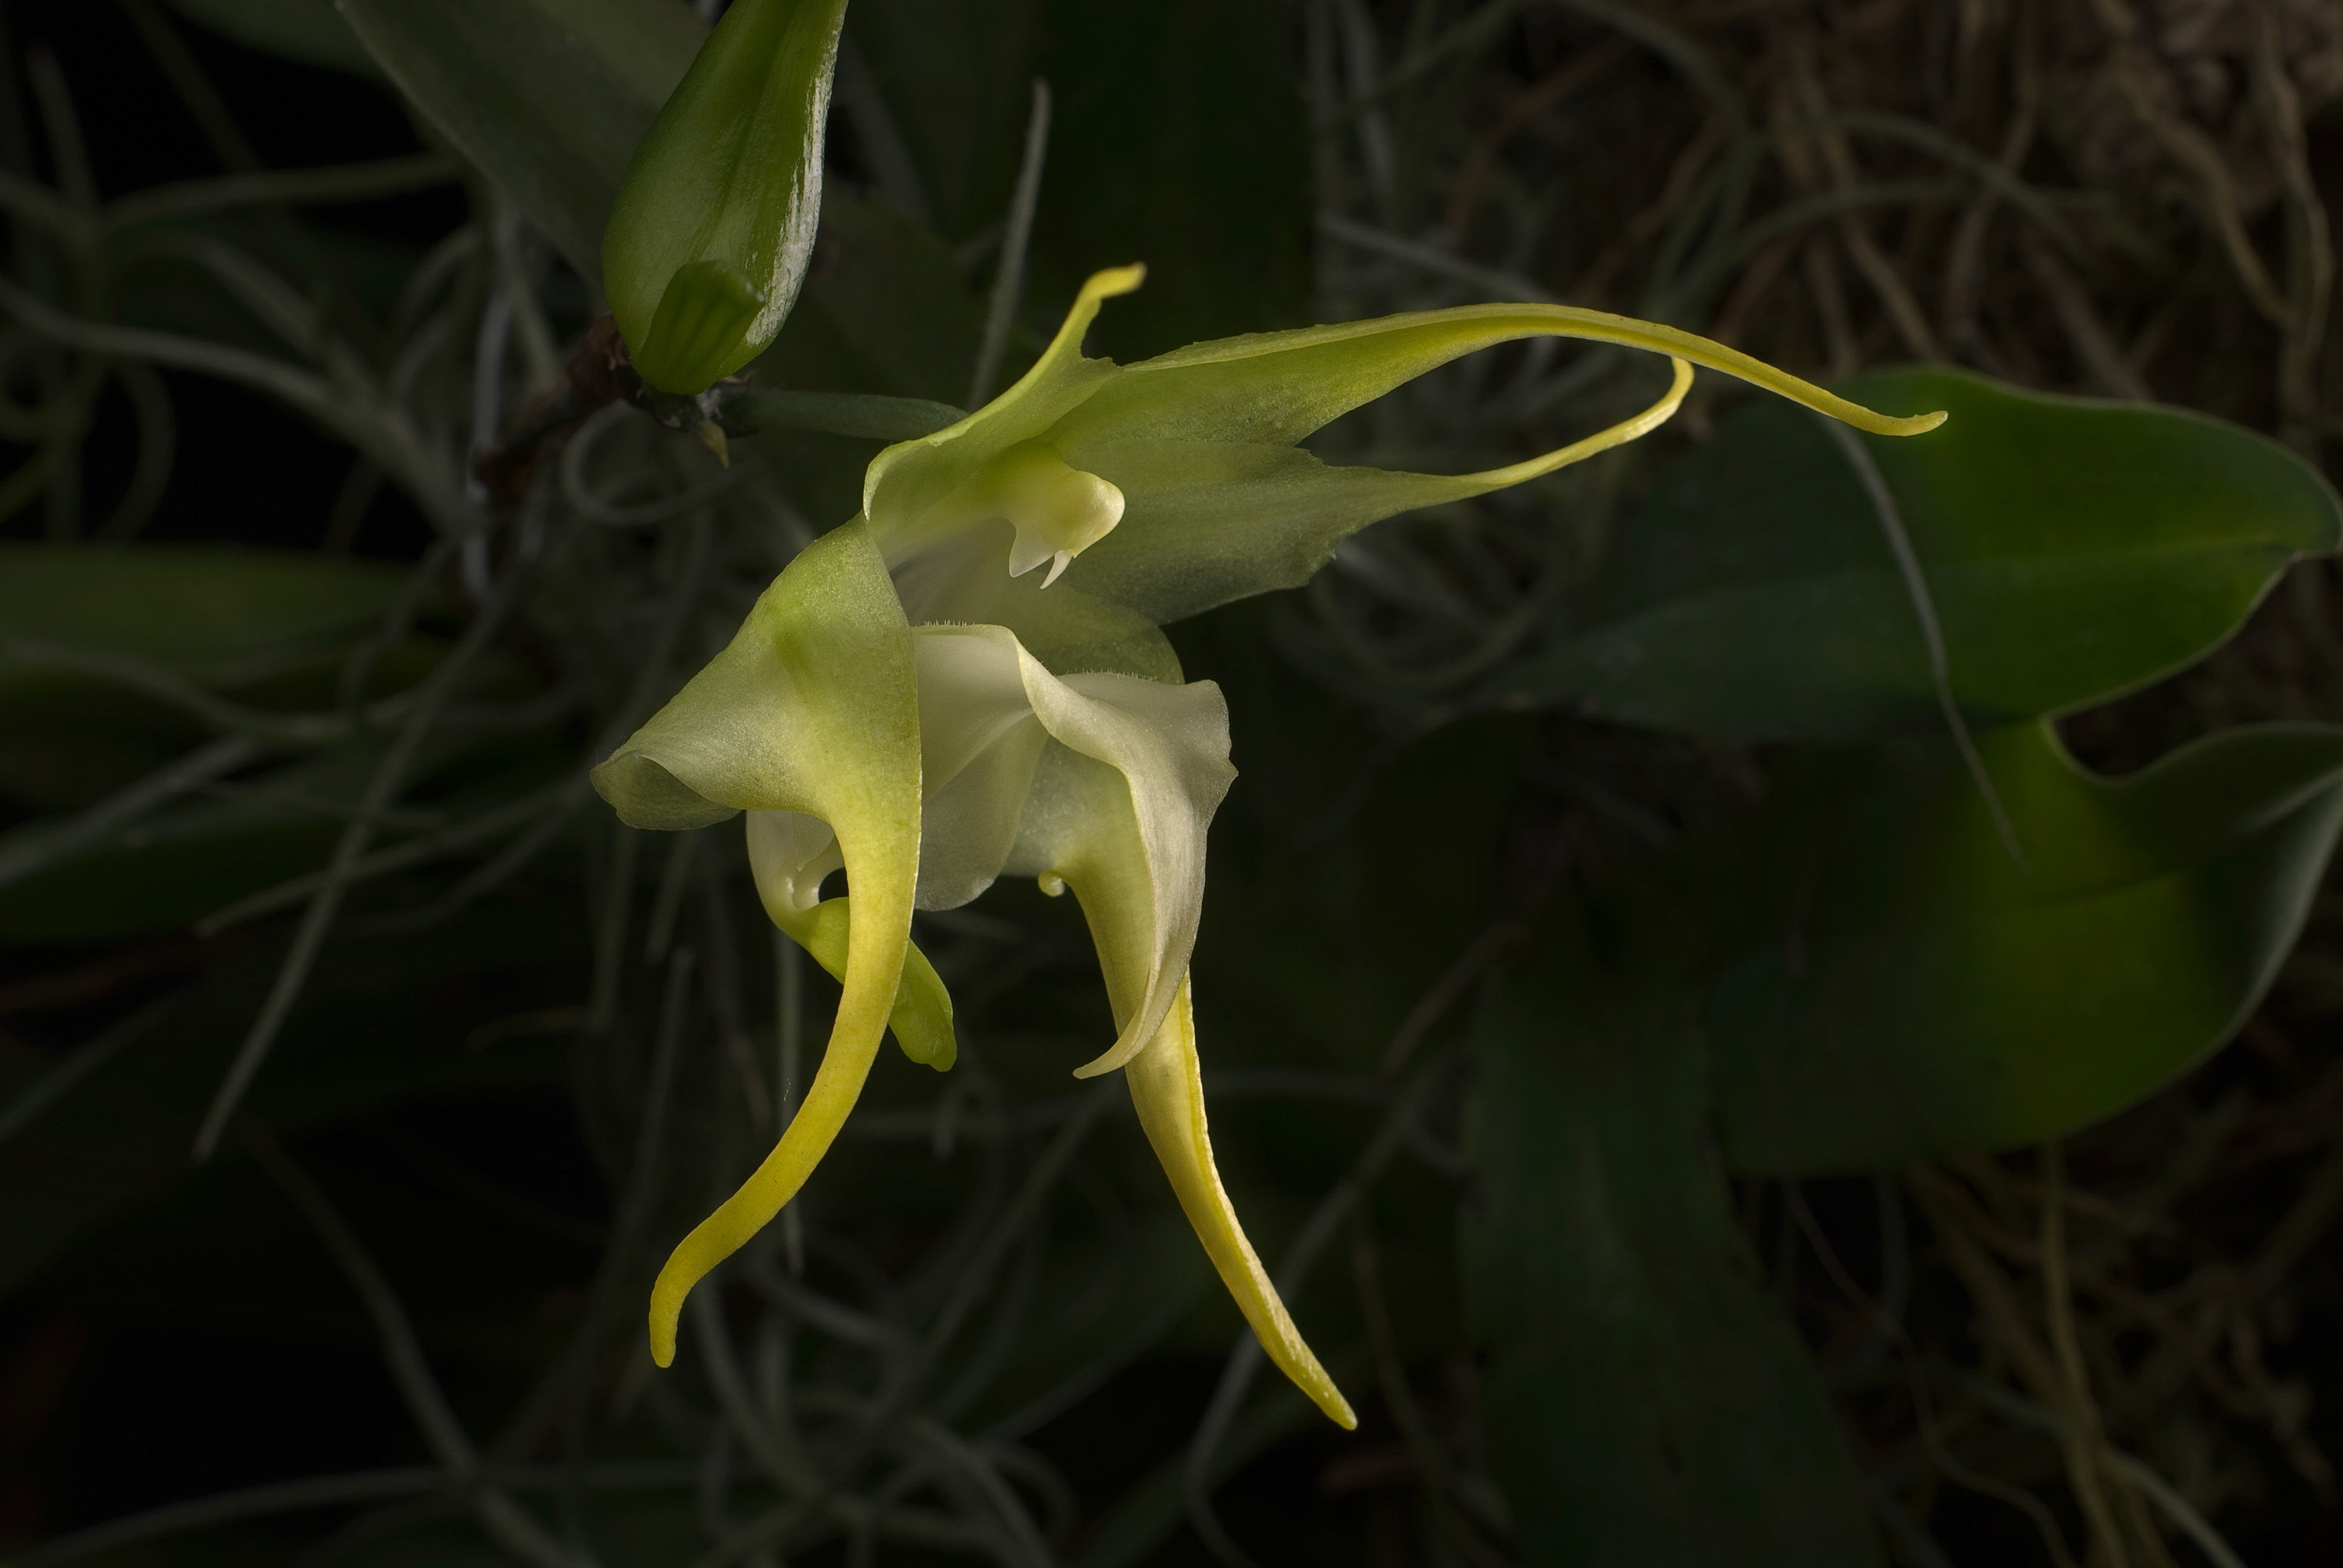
[953,84]
[102,654]
[2072,550]
[270,626]
[1648,1403]
[885,310]
[173,866]
[381,1022]
[310,31]
[210,613]
[1179,139]
[1347,872]
[1906,987]
[355,278]
[165,874]
[1092,1296]
[550,97]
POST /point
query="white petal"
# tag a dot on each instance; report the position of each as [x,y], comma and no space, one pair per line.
[979,742]
[1103,783]
[1140,848]
[789,853]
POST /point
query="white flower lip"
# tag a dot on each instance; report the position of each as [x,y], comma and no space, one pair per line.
[1103,783]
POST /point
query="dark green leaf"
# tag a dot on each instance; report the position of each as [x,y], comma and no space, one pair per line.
[176,865]
[2072,550]
[310,31]
[1178,139]
[953,86]
[85,635]
[356,279]
[548,96]
[1647,1401]
[260,623]
[886,312]
[206,612]
[383,1021]
[1908,987]
[1346,876]
[159,882]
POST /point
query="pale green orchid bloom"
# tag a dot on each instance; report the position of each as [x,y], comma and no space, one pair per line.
[916,702]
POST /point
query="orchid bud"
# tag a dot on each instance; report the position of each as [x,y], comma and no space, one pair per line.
[708,237]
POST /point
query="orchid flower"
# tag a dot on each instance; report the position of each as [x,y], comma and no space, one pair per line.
[968,680]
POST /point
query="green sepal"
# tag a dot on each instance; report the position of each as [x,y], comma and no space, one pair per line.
[722,199]
[1214,500]
[809,709]
[812,710]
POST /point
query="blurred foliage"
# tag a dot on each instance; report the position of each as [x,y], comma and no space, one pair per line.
[1623,868]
